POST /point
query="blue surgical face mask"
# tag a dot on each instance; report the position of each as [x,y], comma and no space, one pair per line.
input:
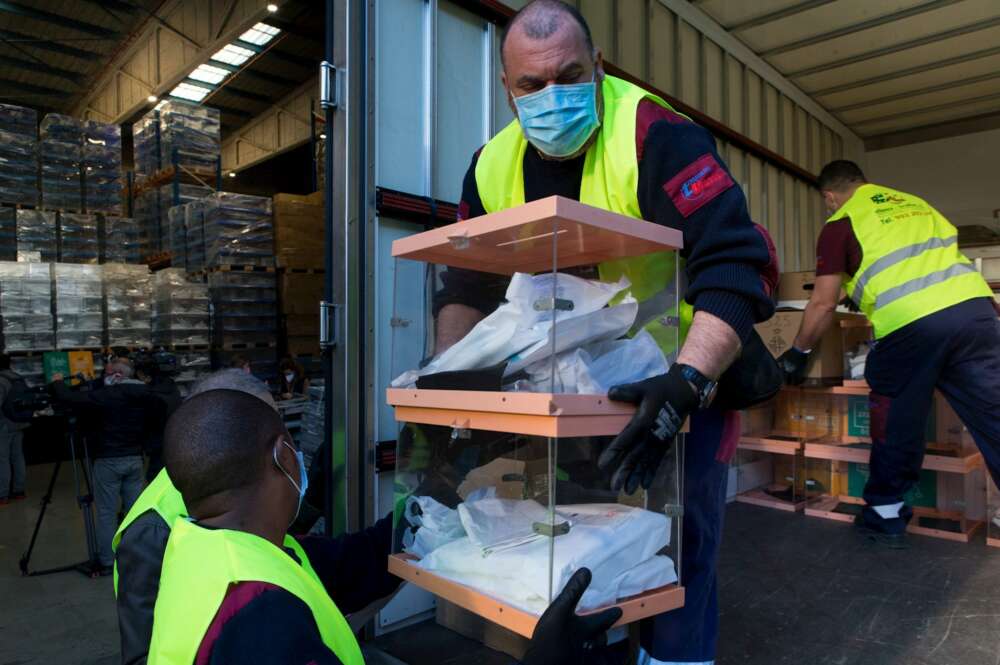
[303,483]
[559,119]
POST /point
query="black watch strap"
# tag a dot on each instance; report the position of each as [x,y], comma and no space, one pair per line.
[704,386]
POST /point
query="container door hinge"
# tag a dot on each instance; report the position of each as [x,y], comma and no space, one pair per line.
[329,325]
[329,85]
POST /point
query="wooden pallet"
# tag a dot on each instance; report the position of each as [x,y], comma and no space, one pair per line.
[235,268]
[19,206]
[758,497]
[166,176]
[187,347]
[245,346]
[825,507]
[301,271]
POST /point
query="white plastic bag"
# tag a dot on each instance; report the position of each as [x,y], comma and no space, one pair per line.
[438,525]
[516,325]
[595,368]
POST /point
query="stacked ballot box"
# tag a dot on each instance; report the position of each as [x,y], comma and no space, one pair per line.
[180,310]
[152,210]
[78,292]
[26,306]
[128,292]
[37,232]
[18,155]
[244,308]
[123,240]
[8,234]
[180,134]
[102,167]
[79,240]
[60,157]
[238,230]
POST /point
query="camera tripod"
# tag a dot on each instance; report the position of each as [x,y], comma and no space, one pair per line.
[91,567]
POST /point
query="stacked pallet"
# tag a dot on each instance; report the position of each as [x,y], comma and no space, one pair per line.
[18,155]
[128,291]
[79,240]
[60,154]
[102,167]
[299,243]
[26,306]
[37,231]
[78,294]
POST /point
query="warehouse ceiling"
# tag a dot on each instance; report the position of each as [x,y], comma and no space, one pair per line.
[883,68]
[52,51]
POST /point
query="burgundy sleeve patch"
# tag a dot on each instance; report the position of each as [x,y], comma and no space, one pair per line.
[463,211]
[697,184]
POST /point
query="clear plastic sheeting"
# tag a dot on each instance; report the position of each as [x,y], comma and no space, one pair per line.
[238,230]
[244,306]
[191,366]
[79,241]
[18,155]
[128,291]
[310,434]
[124,240]
[102,167]
[177,133]
[8,234]
[194,235]
[177,236]
[37,232]
[151,209]
[79,305]
[31,369]
[180,309]
[26,306]
[60,157]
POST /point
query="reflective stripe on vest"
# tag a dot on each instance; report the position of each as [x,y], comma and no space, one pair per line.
[910,263]
[610,181]
[160,496]
[198,567]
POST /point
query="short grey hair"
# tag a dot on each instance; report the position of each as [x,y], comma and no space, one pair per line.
[234,379]
[120,366]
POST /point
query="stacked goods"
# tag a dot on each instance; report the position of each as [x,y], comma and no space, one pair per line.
[124,241]
[310,436]
[238,230]
[194,233]
[128,291]
[177,236]
[189,136]
[78,238]
[245,308]
[31,368]
[60,152]
[301,294]
[180,133]
[180,310]
[18,155]
[298,230]
[152,209]
[79,305]
[26,306]
[36,232]
[8,234]
[191,366]
[102,167]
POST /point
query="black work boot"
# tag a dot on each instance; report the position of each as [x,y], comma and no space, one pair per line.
[890,533]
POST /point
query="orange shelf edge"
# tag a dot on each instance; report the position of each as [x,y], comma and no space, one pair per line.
[636,608]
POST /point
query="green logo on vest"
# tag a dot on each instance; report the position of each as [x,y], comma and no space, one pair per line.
[887,198]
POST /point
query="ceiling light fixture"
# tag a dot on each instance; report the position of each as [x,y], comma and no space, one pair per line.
[272,7]
[151,99]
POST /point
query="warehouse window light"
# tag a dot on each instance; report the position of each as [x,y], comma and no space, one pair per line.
[233,55]
[260,34]
[185,90]
[209,74]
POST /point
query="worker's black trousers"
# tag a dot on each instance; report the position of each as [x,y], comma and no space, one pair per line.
[957,351]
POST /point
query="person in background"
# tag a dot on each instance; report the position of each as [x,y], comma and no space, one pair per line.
[293,378]
[235,588]
[123,408]
[935,327]
[12,470]
[160,384]
[142,537]
[240,363]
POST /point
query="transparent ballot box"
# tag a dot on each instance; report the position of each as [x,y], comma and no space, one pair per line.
[507,331]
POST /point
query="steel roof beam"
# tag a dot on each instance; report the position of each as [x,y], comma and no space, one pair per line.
[858,27]
[920,91]
[53,46]
[31,66]
[115,5]
[913,43]
[57,19]
[34,89]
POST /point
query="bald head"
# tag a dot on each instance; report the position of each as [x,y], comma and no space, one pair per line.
[219,441]
[541,19]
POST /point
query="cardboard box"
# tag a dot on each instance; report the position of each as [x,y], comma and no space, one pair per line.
[808,415]
[302,325]
[826,363]
[299,230]
[796,286]
[475,627]
[300,293]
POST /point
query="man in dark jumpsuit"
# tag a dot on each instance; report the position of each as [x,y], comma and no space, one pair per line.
[572,115]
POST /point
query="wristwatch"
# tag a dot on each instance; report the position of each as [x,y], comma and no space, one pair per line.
[704,386]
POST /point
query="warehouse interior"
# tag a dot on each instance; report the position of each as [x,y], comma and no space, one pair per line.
[184,186]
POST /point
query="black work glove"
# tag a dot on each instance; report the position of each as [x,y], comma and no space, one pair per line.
[849,304]
[793,363]
[664,403]
[562,637]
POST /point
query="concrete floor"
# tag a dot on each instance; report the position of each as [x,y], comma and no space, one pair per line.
[792,590]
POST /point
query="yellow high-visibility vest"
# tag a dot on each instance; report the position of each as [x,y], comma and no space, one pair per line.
[610,181]
[198,567]
[910,263]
